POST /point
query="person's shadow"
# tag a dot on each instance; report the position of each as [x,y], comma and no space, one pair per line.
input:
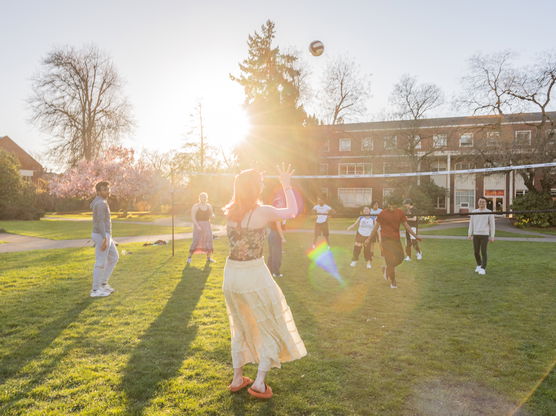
[164,346]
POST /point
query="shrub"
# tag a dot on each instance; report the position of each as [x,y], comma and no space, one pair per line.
[535,201]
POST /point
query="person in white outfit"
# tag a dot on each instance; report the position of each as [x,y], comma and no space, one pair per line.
[481,231]
[366,223]
[105,249]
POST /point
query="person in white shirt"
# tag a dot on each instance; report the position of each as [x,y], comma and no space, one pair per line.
[323,211]
[366,224]
[481,230]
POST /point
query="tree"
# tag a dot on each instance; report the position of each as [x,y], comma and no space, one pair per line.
[272,81]
[413,102]
[129,178]
[17,198]
[495,85]
[344,91]
[77,99]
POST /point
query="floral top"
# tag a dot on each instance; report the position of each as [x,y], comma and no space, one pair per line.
[246,244]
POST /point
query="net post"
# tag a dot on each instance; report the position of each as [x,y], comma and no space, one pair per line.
[172,208]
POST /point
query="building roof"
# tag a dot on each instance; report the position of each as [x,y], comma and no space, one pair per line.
[442,122]
[26,161]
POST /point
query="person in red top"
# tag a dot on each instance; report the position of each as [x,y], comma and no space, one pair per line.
[389,221]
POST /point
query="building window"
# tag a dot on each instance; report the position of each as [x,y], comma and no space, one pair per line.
[416,140]
[390,142]
[355,197]
[466,140]
[326,146]
[441,202]
[553,192]
[366,144]
[324,191]
[523,138]
[464,165]
[440,140]
[492,138]
[323,169]
[551,141]
[354,169]
[345,145]
[520,193]
[438,166]
[386,192]
[465,198]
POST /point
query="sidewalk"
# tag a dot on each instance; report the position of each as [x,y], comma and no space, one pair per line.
[17,242]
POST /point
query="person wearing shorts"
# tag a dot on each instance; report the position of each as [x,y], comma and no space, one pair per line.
[366,224]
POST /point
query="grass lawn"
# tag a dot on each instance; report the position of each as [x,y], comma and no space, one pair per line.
[132,216]
[68,230]
[447,342]
[462,231]
[549,230]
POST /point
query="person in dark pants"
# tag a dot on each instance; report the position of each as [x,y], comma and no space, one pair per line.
[321,223]
[389,221]
[275,241]
[481,230]
[413,223]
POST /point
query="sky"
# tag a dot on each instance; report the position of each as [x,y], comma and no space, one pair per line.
[173,53]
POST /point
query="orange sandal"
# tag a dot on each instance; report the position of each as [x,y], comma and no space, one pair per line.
[266,395]
[246,382]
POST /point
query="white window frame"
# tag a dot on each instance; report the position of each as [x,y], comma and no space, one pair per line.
[390,142]
[326,146]
[344,144]
[439,141]
[466,135]
[417,140]
[517,143]
[386,192]
[324,191]
[354,168]
[464,165]
[469,198]
[435,166]
[369,144]
[492,138]
[441,205]
[323,168]
[359,200]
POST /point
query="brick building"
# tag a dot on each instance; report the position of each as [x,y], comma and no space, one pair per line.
[29,168]
[446,144]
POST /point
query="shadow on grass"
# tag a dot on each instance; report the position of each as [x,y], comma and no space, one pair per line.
[11,365]
[164,346]
[542,401]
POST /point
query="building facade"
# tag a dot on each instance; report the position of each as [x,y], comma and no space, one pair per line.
[439,144]
[29,168]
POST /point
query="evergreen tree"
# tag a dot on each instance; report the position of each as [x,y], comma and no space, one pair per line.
[272,82]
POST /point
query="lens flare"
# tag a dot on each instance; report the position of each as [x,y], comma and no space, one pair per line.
[323,257]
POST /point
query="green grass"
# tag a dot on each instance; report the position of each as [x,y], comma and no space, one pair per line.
[462,231]
[549,230]
[3,242]
[116,216]
[446,342]
[68,230]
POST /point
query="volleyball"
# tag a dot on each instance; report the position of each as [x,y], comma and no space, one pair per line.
[316,48]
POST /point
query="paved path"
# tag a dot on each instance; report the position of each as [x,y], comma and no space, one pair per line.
[158,221]
[17,243]
[25,243]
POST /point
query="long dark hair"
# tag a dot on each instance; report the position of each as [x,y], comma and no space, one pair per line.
[247,190]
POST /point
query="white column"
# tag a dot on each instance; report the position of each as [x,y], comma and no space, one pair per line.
[449,167]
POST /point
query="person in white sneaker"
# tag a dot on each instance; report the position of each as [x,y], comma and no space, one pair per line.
[413,222]
[481,231]
[366,224]
[106,252]
[323,211]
